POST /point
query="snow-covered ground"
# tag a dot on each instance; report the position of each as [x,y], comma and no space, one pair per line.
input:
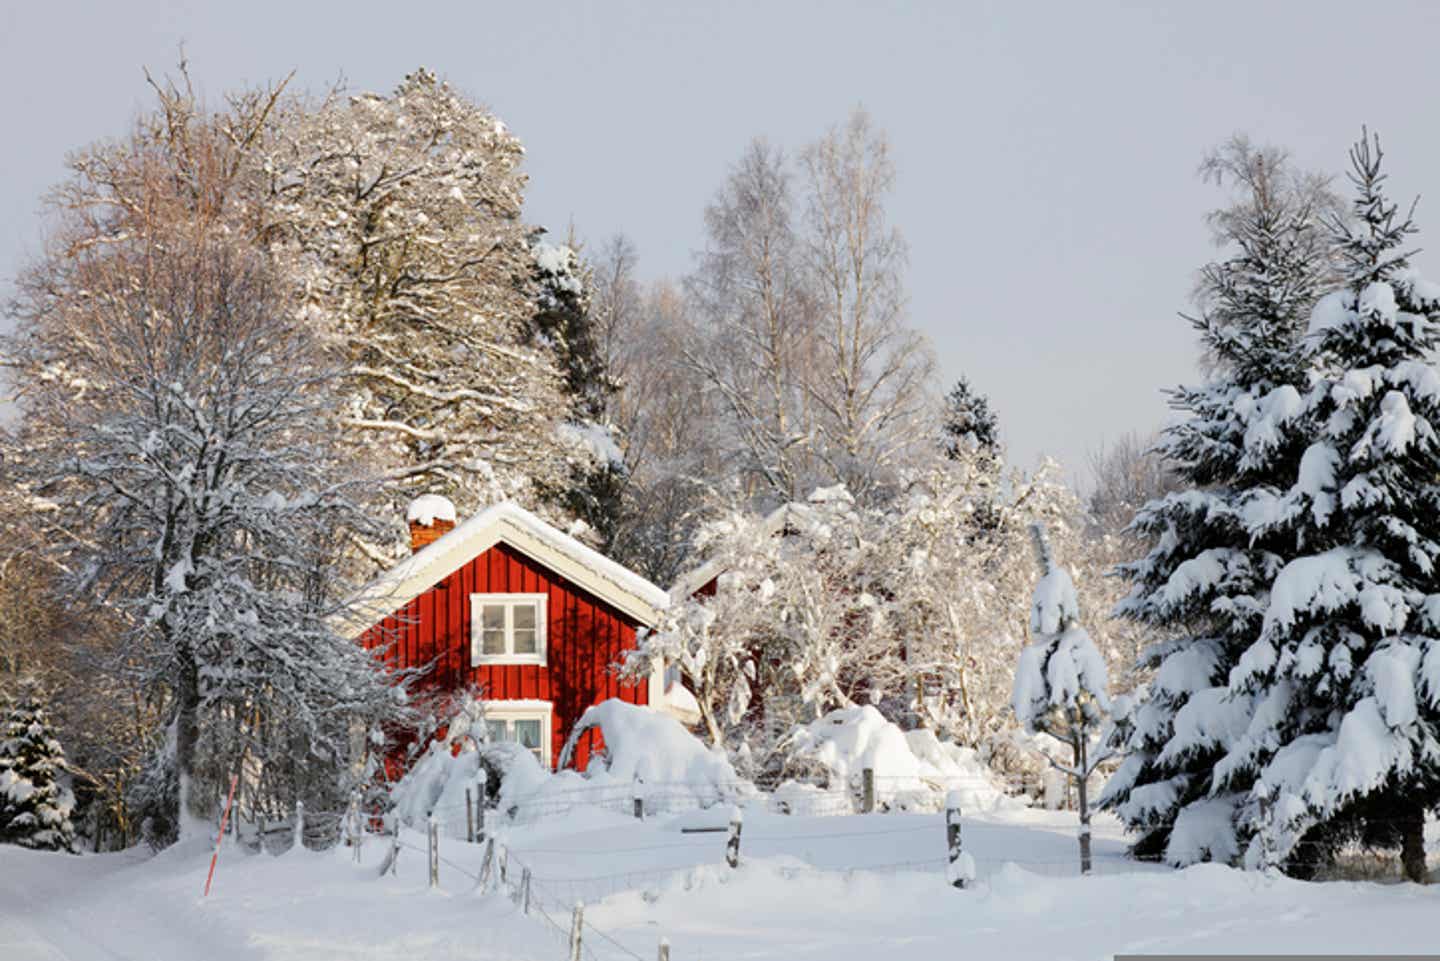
[806,887]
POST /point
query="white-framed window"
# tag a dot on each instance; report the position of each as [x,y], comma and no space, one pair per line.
[526,723]
[507,629]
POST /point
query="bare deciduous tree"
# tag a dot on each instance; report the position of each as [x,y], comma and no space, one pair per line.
[871,373]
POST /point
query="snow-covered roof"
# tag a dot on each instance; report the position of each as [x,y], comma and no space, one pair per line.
[776,521]
[511,524]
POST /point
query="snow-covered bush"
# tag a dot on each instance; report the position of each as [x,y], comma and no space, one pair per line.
[913,769]
[654,747]
[35,800]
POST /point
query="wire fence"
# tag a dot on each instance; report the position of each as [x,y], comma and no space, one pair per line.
[552,899]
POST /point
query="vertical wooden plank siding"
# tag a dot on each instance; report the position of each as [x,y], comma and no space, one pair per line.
[584,638]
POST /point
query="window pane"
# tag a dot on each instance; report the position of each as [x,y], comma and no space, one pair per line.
[492,629]
[525,634]
[527,732]
[496,731]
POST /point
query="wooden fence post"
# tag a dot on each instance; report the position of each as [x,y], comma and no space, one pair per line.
[355,827]
[388,865]
[732,845]
[525,891]
[1267,837]
[298,841]
[577,921]
[664,953]
[960,867]
[434,832]
[480,810]
[867,790]
[637,793]
[487,865]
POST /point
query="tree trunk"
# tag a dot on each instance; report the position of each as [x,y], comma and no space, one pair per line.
[187,730]
[1412,843]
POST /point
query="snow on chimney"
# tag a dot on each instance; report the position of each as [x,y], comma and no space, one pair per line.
[430,517]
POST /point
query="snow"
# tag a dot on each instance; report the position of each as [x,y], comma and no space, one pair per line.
[597,441]
[1331,311]
[913,769]
[643,743]
[1392,671]
[1276,409]
[1204,830]
[1366,752]
[803,889]
[1325,582]
[426,509]
[1395,429]
[1054,604]
[1058,673]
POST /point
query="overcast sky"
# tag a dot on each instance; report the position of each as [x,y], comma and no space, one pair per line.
[1046,152]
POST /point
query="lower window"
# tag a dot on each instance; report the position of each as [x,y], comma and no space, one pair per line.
[525,724]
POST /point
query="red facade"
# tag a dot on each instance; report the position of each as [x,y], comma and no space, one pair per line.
[585,638]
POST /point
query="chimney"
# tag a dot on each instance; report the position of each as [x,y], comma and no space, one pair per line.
[430,517]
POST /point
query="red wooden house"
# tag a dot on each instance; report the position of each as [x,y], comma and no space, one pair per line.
[506,603]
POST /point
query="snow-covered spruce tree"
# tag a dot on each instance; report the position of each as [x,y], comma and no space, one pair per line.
[398,218]
[174,414]
[1204,582]
[35,802]
[968,421]
[1344,739]
[1061,685]
[563,322]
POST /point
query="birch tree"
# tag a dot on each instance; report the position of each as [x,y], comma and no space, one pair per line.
[870,373]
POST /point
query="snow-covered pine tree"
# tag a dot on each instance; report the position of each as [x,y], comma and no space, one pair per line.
[1344,741]
[968,421]
[1062,687]
[1204,582]
[35,802]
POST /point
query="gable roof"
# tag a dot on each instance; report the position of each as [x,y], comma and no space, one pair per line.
[510,524]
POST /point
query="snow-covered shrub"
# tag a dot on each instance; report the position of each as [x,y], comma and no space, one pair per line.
[913,770]
[438,782]
[654,747]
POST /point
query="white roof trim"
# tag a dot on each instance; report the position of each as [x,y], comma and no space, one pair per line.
[510,524]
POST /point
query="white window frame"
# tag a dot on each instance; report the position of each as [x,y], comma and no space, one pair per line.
[478,603]
[525,710]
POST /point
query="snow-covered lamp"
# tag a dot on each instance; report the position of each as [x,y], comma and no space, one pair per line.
[430,517]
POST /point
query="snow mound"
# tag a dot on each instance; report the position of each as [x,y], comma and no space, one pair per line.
[913,769]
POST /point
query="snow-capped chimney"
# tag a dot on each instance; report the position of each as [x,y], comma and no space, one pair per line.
[430,517]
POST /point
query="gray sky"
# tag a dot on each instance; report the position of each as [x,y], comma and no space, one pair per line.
[1046,152]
